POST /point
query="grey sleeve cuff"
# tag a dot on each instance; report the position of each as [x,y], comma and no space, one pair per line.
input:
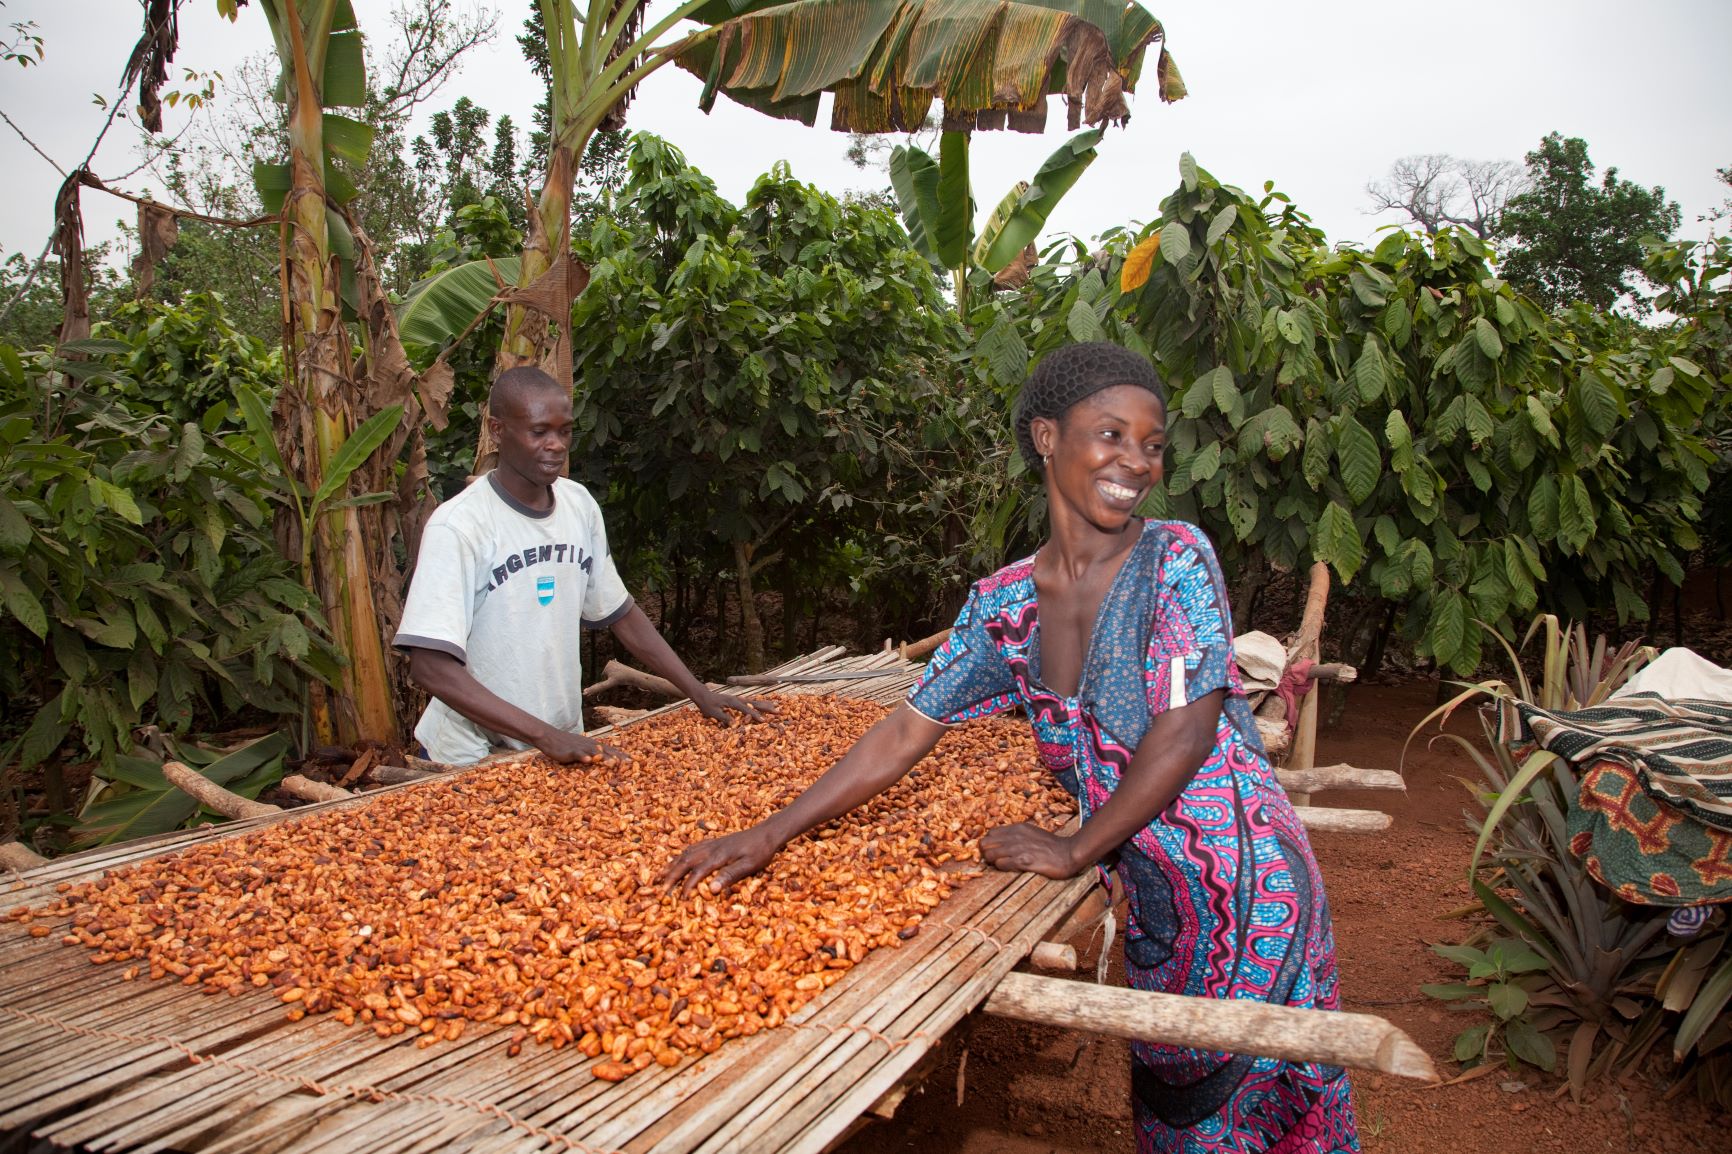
[606,622]
[411,641]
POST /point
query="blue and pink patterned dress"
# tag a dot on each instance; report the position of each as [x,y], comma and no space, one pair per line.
[1225,897]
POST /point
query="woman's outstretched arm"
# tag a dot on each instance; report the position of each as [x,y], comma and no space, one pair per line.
[875,763]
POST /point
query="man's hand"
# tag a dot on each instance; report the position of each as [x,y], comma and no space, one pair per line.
[722,706]
[576,749]
[1030,849]
[724,860]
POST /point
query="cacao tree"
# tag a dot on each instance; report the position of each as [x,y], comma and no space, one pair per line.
[1449,447]
[741,370]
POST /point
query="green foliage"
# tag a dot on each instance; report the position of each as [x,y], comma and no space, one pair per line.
[133,799]
[1502,979]
[34,308]
[937,204]
[456,147]
[1576,970]
[1039,197]
[1572,240]
[278,484]
[140,583]
[782,353]
[185,358]
[1399,413]
[1696,286]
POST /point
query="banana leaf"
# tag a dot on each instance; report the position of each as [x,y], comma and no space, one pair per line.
[992,62]
[955,218]
[1000,216]
[1055,178]
[914,177]
[359,445]
[440,308]
[144,804]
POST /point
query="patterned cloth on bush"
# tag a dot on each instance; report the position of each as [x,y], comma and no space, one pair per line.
[1652,818]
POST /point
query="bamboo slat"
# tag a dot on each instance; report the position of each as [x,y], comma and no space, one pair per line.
[110,1064]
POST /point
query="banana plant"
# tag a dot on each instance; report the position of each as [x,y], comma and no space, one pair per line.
[991,64]
[346,549]
[937,205]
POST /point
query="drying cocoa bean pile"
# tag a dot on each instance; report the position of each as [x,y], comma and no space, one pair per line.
[523,895]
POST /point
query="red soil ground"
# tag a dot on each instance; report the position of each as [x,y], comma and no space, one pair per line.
[1033,1090]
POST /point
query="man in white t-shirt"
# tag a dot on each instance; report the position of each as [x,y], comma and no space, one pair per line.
[510,573]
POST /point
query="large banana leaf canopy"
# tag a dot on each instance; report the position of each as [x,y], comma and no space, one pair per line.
[991,63]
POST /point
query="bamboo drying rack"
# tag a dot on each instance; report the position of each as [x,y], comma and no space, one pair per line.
[110,1065]
[96,1062]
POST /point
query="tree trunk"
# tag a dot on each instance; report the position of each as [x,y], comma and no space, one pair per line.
[529,337]
[1372,663]
[791,603]
[1245,591]
[316,418]
[751,625]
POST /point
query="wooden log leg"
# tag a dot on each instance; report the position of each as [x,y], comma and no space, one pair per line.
[1363,1041]
[307,789]
[1339,776]
[15,855]
[397,774]
[1317,817]
[211,795]
[1054,956]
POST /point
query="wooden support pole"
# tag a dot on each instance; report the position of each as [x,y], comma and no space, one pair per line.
[616,715]
[1084,918]
[15,855]
[1340,776]
[1304,642]
[925,647]
[1305,645]
[307,789]
[211,795]
[397,774]
[1316,817]
[618,673]
[1363,1041]
[1054,956]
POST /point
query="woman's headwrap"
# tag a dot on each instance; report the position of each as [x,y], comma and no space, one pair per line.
[1067,375]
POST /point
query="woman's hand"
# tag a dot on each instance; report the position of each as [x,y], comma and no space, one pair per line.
[1030,849]
[724,860]
[722,706]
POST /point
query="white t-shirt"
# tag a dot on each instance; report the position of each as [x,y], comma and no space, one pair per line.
[508,592]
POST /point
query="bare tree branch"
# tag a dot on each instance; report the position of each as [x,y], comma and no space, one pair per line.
[36,269]
[432,39]
[1434,189]
[26,139]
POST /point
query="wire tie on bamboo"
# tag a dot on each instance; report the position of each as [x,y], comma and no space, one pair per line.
[893,1044]
[359,1092]
[998,947]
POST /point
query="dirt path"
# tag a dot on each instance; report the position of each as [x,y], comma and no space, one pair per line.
[1033,1090]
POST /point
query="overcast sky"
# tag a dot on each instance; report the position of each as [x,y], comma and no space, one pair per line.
[1317,97]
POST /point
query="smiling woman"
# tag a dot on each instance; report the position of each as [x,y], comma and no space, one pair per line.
[1115,639]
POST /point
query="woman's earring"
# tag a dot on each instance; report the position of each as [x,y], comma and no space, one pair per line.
[1046,460]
